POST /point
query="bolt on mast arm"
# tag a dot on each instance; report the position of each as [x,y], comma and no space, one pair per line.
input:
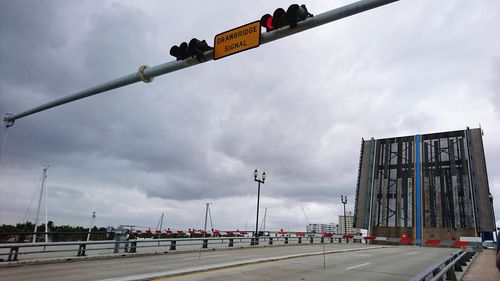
[146,74]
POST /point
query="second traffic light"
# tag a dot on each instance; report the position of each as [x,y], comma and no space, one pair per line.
[282,18]
[194,48]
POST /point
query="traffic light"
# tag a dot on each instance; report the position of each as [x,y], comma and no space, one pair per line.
[197,47]
[267,22]
[281,18]
[185,50]
[296,13]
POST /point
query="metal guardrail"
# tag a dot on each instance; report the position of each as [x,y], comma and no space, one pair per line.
[14,250]
[449,265]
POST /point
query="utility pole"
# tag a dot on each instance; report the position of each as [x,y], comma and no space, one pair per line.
[146,74]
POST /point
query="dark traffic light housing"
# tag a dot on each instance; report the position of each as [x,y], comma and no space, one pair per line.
[282,18]
[194,48]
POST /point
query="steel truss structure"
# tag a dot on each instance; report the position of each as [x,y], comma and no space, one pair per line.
[431,185]
[393,183]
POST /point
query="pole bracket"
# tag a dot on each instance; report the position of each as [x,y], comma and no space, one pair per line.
[9,120]
[144,78]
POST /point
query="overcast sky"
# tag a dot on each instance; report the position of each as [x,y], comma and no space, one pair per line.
[296,108]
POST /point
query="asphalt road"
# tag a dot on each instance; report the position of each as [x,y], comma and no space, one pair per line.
[392,263]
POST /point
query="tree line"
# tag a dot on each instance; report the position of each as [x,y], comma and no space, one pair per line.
[23,232]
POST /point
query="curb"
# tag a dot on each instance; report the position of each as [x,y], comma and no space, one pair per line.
[467,267]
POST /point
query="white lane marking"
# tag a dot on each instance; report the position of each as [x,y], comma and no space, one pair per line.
[412,253]
[364,255]
[356,266]
[204,257]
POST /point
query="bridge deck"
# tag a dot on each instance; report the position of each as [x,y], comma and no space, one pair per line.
[388,263]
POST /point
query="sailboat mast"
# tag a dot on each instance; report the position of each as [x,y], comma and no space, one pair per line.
[210,216]
[159,226]
[265,215]
[161,220]
[92,221]
[206,216]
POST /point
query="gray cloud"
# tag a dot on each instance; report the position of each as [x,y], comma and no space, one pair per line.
[296,108]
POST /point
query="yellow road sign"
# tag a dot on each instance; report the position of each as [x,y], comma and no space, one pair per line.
[237,40]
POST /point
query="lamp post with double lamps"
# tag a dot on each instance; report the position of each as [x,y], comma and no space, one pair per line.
[255,240]
[343,199]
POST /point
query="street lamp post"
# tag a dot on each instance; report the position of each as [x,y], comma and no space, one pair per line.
[259,181]
[343,199]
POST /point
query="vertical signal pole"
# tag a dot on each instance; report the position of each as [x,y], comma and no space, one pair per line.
[259,181]
[344,201]
[46,212]
[44,176]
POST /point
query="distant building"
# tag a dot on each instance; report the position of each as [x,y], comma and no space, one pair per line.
[320,228]
[346,224]
[432,186]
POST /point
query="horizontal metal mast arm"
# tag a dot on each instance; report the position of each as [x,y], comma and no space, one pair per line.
[147,74]
[324,18]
